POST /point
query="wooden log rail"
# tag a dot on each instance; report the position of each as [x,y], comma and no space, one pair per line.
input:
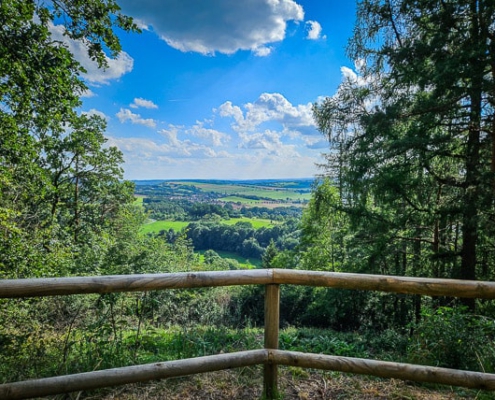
[270,356]
[15,288]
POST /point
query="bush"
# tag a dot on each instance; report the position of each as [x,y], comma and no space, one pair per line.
[452,338]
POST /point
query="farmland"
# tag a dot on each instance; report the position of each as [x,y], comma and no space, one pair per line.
[240,217]
[157,226]
[246,193]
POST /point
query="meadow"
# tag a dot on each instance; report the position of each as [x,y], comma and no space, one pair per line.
[243,262]
[241,190]
[157,226]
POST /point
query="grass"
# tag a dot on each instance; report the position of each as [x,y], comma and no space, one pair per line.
[240,190]
[238,199]
[157,226]
[246,383]
[243,262]
[94,347]
[257,223]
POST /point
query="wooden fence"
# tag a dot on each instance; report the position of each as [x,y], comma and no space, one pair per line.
[270,356]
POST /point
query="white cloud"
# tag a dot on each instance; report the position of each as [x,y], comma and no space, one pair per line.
[269,141]
[271,108]
[87,93]
[223,26]
[269,137]
[314,30]
[148,159]
[140,102]
[210,137]
[127,115]
[171,134]
[216,138]
[348,74]
[100,114]
[313,142]
[148,150]
[94,75]
[356,76]
[262,51]
[229,110]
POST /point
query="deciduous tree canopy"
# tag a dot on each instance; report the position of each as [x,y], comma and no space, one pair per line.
[59,183]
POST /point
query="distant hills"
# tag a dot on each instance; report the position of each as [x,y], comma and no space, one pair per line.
[297,183]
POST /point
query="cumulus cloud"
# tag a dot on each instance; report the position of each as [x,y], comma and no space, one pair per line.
[150,159]
[227,109]
[316,143]
[94,75]
[173,147]
[270,142]
[223,26]
[209,136]
[127,115]
[99,113]
[87,93]
[271,108]
[356,76]
[268,134]
[314,30]
[171,134]
[140,102]
[216,138]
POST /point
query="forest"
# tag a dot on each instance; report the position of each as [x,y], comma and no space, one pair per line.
[407,188]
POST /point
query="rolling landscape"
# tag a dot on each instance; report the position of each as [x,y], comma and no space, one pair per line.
[268,209]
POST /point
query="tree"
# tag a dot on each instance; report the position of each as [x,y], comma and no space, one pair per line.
[58,180]
[269,255]
[321,229]
[415,134]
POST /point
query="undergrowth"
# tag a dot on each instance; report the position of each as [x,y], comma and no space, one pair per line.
[58,336]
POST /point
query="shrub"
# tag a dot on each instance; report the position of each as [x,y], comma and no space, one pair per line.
[450,337]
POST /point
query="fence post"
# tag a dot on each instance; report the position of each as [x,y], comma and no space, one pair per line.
[272,317]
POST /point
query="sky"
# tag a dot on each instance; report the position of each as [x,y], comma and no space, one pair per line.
[220,89]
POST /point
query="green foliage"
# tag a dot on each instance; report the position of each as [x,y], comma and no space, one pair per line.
[242,238]
[322,230]
[453,338]
[411,154]
[157,226]
[61,187]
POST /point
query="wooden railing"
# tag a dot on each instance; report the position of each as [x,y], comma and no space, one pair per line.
[270,356]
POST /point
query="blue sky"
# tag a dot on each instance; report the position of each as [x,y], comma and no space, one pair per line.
[221,89]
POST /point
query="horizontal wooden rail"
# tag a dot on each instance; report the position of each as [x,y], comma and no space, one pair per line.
[133,374]
[15,288]
[190,366]
[387,283]
[270,356]
[385,369]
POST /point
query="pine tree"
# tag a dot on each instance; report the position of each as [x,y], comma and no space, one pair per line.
[418,157]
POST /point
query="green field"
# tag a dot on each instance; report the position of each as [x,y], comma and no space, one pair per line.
[157,226]
[244,262]
[242,200]
[138,200]
[249,190]
[256,222]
